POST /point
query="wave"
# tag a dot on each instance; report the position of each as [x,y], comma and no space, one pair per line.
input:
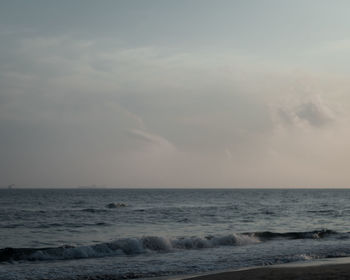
[25,212]
[94,210]
[55,225]
[147,244]
[111,205]
[316,234]
[115,205]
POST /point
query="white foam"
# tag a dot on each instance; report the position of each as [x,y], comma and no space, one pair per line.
[131,246]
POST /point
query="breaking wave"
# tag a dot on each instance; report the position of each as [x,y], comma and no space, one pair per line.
[316,234]
[115,205]
[147,244]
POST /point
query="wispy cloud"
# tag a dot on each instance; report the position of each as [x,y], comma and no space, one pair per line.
[155,116]
[150,138]
[331,47]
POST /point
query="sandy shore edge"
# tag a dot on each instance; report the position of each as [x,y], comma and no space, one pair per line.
[322,269]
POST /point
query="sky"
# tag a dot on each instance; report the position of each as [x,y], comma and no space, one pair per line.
[159,93]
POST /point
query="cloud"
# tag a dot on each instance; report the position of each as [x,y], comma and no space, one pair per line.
[150,138]
[331,47]
[157,117]
[315,113]
[311,111]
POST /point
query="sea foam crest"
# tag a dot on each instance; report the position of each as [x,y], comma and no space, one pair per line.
[130,246]
[125,246]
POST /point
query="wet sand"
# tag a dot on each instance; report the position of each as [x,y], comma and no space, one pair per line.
[316,271]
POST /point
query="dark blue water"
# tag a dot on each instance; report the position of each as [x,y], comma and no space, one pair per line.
[120,233]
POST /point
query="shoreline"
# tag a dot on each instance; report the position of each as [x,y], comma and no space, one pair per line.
[333,268]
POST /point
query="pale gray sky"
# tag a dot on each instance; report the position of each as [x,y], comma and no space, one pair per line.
[175,93]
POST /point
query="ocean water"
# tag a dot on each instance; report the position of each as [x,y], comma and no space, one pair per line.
[130,233]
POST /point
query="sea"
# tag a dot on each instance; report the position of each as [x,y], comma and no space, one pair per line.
[147,233]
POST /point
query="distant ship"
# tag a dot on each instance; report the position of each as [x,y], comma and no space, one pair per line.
[11,186]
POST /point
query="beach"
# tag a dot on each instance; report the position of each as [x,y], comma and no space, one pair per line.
[131,234]
[338,269]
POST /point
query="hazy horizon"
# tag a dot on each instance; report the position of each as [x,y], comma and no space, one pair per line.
[199,94]
[24,187]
